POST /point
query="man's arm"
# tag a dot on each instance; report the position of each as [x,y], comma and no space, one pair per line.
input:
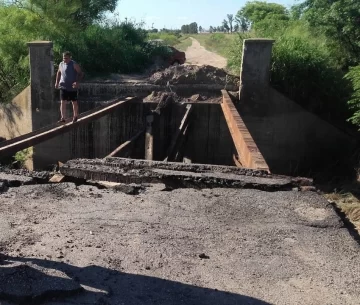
[79,75]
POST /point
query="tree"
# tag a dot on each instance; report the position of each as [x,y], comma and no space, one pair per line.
[339,20]
[200,29]
[256,11]
[211,29]
[236,27]
[80,12]
[230,18]
[242,22]
[225,26]
[191,28]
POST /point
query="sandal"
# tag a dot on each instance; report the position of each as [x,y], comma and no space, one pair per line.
[75,119]
[62,120]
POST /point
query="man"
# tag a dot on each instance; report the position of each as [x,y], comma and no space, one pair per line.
[67,79]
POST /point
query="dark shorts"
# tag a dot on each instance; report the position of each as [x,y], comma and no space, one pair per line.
[68,95]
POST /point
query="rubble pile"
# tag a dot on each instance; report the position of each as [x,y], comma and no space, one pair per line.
[192,74]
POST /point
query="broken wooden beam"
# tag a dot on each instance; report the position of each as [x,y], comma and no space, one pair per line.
[149,138]
[179,135]
[48,132]
[124,150]
[249,154]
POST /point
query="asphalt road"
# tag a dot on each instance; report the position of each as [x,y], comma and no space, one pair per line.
[187,246]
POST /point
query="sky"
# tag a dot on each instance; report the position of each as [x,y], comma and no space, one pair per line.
[172,14]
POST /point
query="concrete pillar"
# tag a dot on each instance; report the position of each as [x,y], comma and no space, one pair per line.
[255,70]
[42,87]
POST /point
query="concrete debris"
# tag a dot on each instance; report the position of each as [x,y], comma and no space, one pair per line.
[192,74]
[3,186]
[29,284]
[37,175]
[11,180]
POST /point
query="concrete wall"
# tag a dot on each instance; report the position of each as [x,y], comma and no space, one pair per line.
[210,141]
[292,140]
[16,117]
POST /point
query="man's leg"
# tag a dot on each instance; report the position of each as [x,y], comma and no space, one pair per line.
[74,98]
[63,109]
[63,105]
[75,110]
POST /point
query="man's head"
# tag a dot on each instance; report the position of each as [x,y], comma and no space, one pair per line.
[66,57]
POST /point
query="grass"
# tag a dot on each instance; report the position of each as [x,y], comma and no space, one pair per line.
[184,44]
[23,155]
[217,42]
[348,204]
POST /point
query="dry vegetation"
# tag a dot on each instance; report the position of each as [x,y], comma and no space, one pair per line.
[348,204]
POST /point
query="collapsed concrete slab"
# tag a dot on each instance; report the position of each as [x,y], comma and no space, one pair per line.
[174,175]
[29,284]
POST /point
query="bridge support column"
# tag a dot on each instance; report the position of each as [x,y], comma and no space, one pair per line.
[255,70]
[41,74]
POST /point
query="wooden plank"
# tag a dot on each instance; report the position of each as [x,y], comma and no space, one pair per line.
[179,134]
[249,154]
[149,138]
[125,149]
[57,178]
[182,140]
[237,161]
[38,136]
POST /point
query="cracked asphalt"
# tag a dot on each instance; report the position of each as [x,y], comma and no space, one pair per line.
[187,246]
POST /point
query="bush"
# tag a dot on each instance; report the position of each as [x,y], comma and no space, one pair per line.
[120,48]
[354,77]
[169,39]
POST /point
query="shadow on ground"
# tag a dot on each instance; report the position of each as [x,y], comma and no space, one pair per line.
[103,286]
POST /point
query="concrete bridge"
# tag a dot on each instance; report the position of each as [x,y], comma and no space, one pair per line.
[260,129]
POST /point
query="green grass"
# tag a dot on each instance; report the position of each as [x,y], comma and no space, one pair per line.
[184,44]
[218,43]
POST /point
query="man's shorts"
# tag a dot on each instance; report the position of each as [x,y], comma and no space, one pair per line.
[68,95]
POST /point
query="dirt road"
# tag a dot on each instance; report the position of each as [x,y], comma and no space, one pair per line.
[210,246]
[198,55]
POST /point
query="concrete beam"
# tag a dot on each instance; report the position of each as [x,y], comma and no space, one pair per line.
[175,143]
[124,150]
[41,82]
[44,134]
[248,152]
[175,175]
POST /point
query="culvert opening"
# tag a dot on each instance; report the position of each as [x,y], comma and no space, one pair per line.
[162,126]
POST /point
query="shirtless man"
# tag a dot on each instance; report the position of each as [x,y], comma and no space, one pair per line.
[67,79]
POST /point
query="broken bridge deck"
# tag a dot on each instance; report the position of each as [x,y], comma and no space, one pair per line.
[174,175]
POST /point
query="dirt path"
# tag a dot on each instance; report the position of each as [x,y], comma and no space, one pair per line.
[196,54]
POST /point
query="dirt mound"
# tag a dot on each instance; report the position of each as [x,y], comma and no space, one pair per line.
[192,74]
[165,98]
